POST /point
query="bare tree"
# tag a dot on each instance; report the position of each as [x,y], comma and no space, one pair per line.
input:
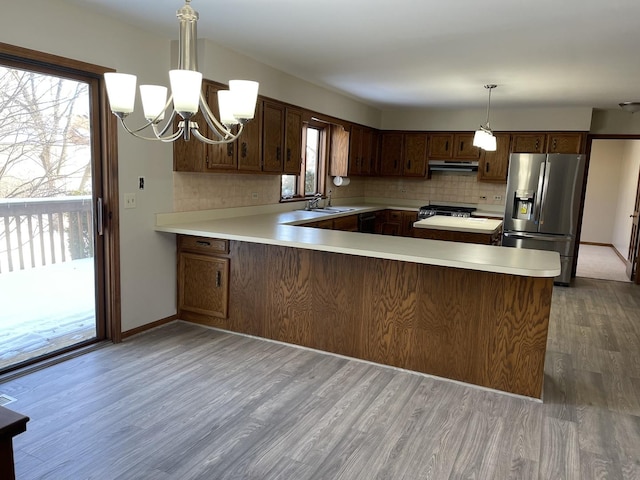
[44,135]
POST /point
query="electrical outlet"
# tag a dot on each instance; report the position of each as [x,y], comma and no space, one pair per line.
[129,200]
[497,197]
[140,183]
[254,195]
[483,197]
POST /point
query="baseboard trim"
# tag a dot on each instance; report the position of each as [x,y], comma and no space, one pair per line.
[148,326]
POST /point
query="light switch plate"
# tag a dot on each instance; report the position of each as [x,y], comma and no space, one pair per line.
[129,200]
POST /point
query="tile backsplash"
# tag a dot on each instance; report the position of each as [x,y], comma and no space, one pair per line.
[196,191]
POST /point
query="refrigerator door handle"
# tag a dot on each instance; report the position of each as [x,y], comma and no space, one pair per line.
[531,236]
[537,214]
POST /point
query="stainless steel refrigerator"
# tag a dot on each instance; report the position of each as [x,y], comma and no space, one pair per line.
[543,205]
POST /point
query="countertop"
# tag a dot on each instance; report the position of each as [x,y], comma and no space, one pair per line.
[273,226]
[460,224]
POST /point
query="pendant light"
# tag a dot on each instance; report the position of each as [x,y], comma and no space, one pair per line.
[484,137]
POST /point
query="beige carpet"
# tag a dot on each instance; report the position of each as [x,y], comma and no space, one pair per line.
[600,262]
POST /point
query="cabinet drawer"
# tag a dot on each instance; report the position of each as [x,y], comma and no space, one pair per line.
[203,244]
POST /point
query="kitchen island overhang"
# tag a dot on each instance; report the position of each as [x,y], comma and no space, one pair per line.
[472,313]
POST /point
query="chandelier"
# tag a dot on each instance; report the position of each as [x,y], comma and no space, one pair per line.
[237,105]
[484,137]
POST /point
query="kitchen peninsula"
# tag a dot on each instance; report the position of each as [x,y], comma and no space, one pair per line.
[472,313]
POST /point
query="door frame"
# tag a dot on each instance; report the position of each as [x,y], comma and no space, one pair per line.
[108,292]
[590,139]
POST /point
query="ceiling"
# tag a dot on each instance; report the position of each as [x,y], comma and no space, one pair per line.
[421,53]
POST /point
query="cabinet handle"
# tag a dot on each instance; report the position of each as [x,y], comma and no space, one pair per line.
[395,164]
[288,155]
[409,165]
[243,150]
[486,167]
[446,146]
[461,146]
[202,243]
[278,153]
[229,149]
[218,278]
[555,142]
[537,143]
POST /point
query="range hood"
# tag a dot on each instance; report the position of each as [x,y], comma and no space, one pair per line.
[453,166]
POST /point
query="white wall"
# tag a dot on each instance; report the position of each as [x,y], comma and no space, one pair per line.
[601,197]
[627,186]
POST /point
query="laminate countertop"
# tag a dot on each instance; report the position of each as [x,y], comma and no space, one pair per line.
[460,224]
[273,226]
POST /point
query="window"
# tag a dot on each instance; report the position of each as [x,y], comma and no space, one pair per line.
[310,181]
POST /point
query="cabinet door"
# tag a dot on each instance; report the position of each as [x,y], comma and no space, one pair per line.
[408,219]
[415,155]
[190,156]
[250,143]
[441,146]
[339,151]
[564,143]
[293,142]
[203,284]
[355,150]
[464,149]
[222,156]
[367,152]
[493,166]
[528,143]
[272,137]
[346,224]
[391,154]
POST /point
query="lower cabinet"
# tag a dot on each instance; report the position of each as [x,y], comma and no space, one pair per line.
[203,276]
[465,237]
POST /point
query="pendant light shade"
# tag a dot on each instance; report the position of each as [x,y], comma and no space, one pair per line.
[484,137]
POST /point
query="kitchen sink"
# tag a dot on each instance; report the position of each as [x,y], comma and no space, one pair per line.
[329,210]
[333,209]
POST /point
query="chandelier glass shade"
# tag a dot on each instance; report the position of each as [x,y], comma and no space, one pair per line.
[484,137]
[237,105]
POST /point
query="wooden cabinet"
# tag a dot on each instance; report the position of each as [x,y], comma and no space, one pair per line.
[528,143]
[408,219]
[203,276]
[451,236]
[361,151]
[346,224]
[391,149]
[463,147]
[338,151]
[273,115]
[440,146]
[281,138]
[493,166]
[571,142]
[414,155]
[550,142]
[197,156]
[292,141]
[456,146]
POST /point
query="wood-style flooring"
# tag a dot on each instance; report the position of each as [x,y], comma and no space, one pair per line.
[186,402]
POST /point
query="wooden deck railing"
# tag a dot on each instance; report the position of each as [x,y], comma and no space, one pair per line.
[42,231]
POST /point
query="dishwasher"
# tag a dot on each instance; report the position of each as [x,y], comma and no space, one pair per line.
[367,222]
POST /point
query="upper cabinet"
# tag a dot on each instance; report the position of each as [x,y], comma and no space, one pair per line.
[391,153]
[272,136]
[493,166]
[362,151]
[551,142]
[571,142]
[415,155]
[452,146]
[528,143]
[293,141]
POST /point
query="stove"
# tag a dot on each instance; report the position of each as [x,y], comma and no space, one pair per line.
[450,211]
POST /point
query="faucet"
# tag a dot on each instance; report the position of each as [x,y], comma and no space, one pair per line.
[313,202]
[328,202]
